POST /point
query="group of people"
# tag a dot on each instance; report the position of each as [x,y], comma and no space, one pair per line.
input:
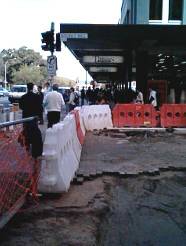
[105,96]
[152,99]
[33,104]
[95,96]
[49,99]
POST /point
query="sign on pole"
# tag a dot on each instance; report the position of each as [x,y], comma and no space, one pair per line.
[51,65]
[65,36]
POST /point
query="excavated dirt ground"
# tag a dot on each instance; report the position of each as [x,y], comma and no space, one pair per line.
[130,190]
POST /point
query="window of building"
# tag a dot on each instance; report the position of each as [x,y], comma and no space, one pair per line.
[165,11]
[155,10]
[175,9]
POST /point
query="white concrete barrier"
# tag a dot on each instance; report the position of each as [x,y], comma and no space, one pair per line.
[70,120]
[97,117]
[61,154]
[62,148]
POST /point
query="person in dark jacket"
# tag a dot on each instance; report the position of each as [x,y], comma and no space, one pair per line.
[30,104]
[41,96]
[82,96]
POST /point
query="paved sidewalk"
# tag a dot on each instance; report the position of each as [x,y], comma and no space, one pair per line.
[131,154]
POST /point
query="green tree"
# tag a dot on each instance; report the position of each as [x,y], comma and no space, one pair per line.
[18,58]
[2,69]
[27,74]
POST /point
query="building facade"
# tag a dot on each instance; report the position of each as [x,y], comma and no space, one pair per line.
[167,12]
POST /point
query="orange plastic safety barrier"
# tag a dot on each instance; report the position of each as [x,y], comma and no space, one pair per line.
[173,115]
[135,115]
[19,172]
[79,131]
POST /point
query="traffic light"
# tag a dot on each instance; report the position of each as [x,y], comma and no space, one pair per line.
[48,41]
[58,42]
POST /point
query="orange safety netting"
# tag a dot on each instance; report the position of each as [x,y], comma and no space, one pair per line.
[18,170]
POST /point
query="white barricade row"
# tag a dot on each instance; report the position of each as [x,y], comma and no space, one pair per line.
[62,146]
[97,117]
[61,154]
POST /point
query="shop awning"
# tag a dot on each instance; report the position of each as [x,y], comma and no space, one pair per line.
[108,51]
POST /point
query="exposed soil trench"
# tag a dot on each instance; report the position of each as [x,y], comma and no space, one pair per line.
[112,206]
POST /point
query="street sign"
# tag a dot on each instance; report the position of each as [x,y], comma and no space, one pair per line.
[51,65]
[103,59]
[103,69]
[65,36]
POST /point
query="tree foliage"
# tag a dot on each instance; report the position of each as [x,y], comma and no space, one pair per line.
[64,81]
[23,65]
[27,74]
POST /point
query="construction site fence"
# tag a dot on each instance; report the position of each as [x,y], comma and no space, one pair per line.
[18,170]
[143,115]
[135,115]
[173,115]
[10,113]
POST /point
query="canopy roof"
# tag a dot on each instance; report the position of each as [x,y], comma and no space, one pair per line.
[105,51]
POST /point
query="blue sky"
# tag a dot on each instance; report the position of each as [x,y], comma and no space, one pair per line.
[22,21]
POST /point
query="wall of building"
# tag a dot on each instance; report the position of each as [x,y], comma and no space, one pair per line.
[184,12]
[142,12]
[138,11]
[135,11]
[123,11]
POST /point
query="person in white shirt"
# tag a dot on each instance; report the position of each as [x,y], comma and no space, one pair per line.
[46,88]
[153,97]
[71,101]
[53,103]
[139,97]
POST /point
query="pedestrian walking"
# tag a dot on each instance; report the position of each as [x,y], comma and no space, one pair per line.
[153,97]
[41,96]
[30,104]
[139,97]
[71,102]
[53,103]
[47,88]
[83,96]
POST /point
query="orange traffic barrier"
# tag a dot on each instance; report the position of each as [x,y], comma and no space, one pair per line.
[173,115]
[135,115]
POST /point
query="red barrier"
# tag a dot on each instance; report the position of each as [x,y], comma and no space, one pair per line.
[79,131]
[173,115]
[135,115]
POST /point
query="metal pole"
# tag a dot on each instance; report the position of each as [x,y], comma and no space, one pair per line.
[52,28]
[5,74]
[86,76]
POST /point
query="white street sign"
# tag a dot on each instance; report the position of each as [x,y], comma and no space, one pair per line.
[103,59]
[103,69]
[51,65]
[65,36]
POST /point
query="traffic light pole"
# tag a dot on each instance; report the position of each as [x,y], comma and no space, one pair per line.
[50,44]
[52,29]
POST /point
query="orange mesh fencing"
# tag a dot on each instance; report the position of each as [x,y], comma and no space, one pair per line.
[19,172]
